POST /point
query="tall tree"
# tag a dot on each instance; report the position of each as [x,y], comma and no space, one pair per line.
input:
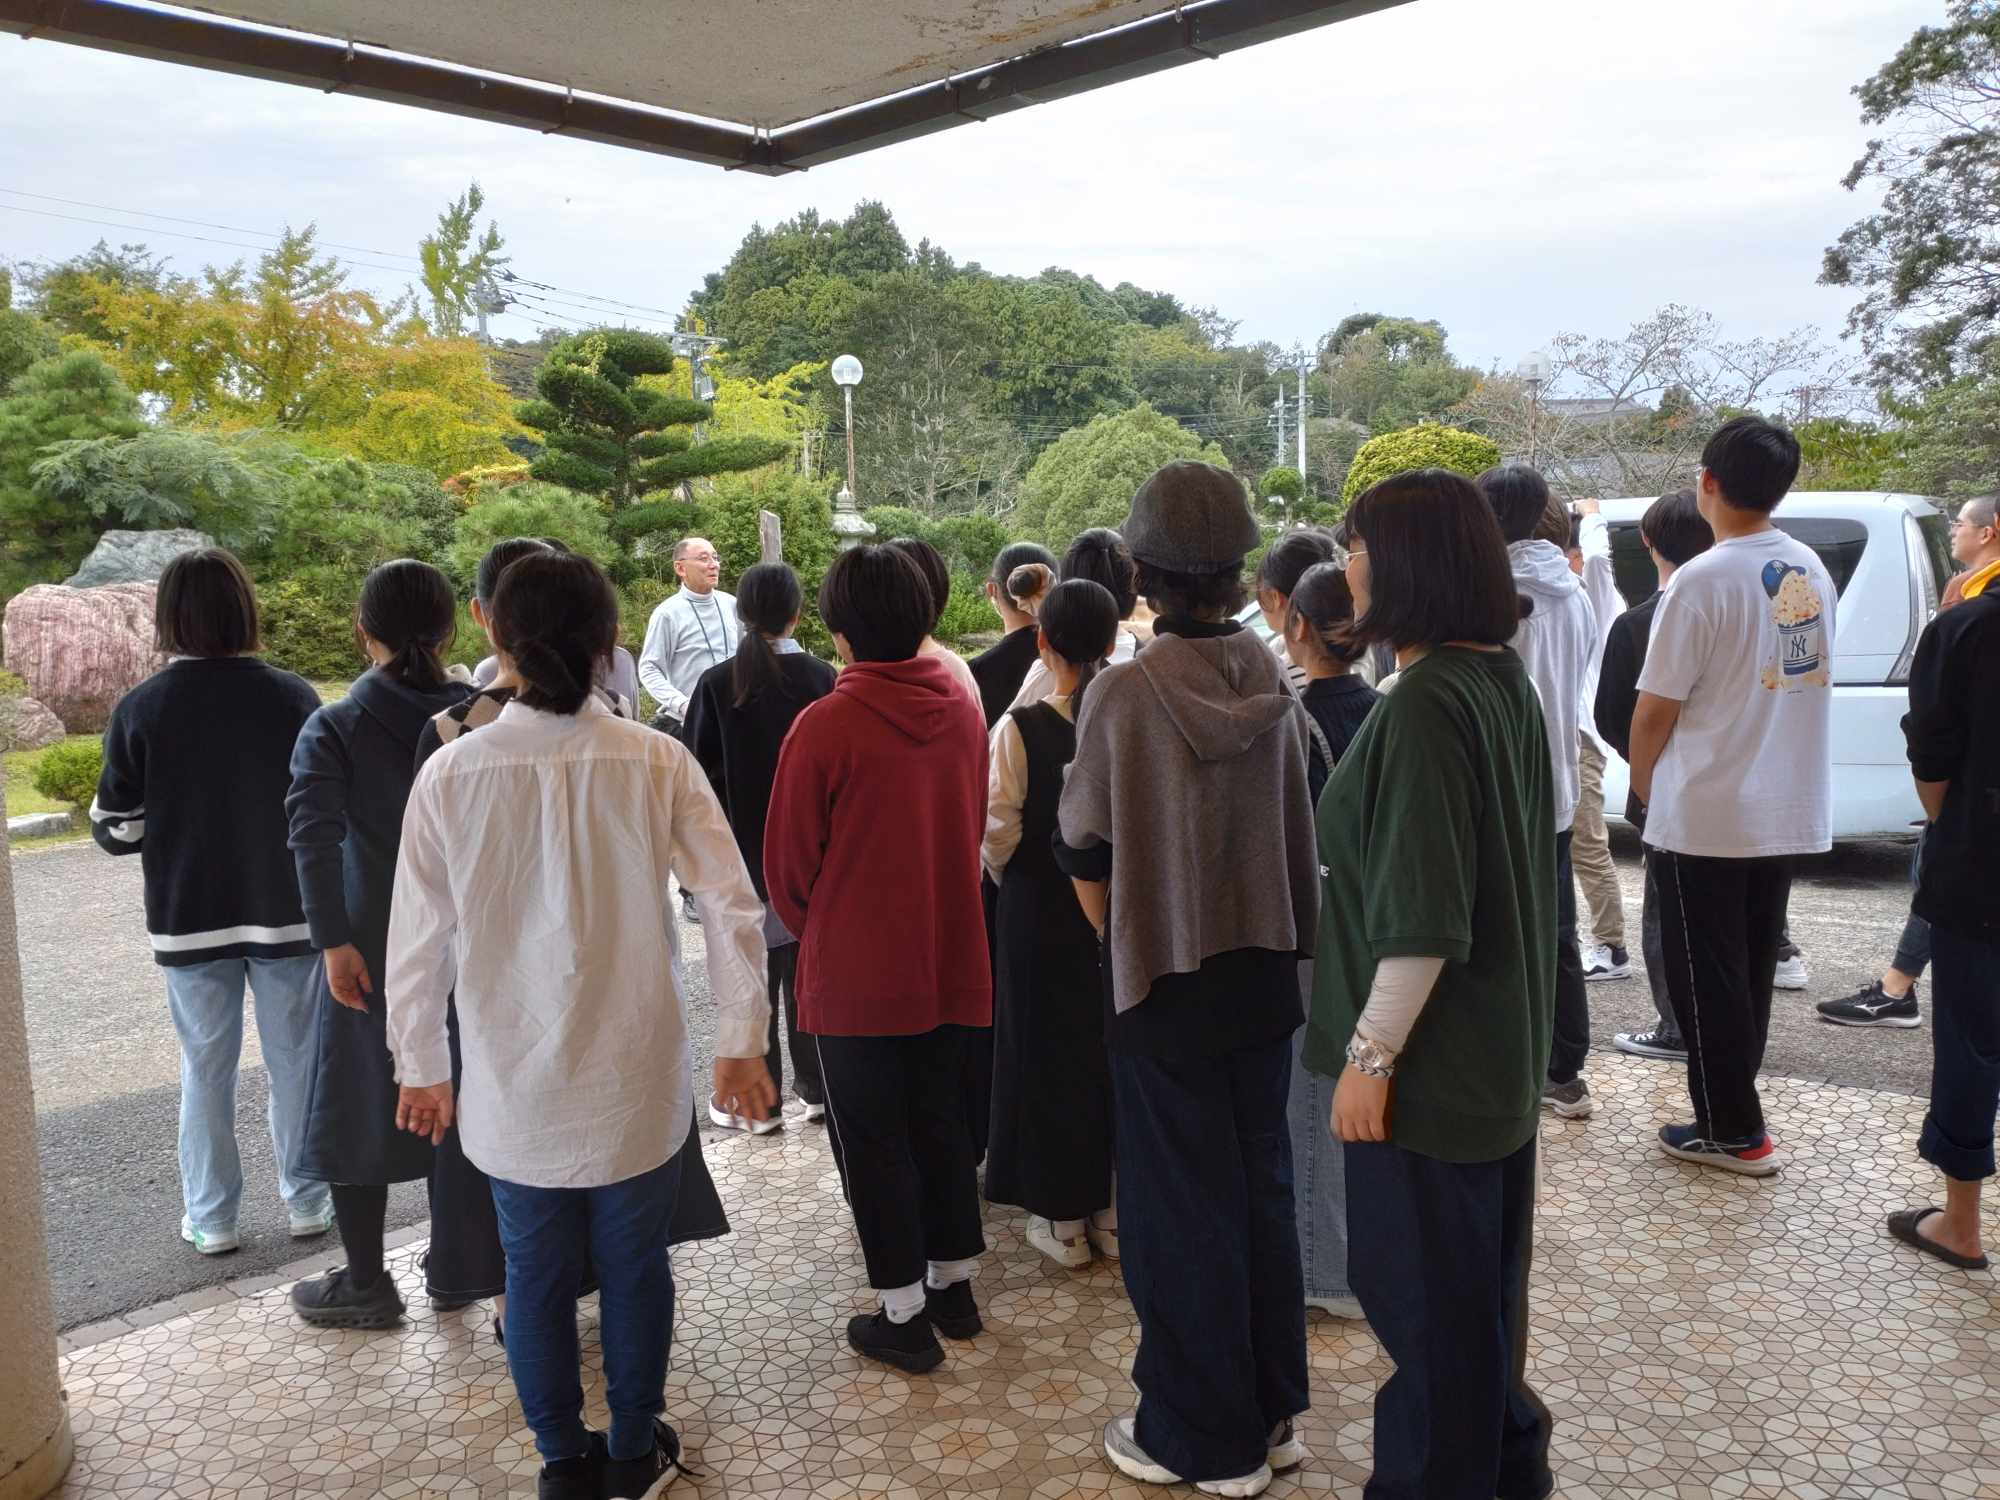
[24,338]
[1087,477]
[1928,261]
[456,258]
[65,293]
[76,395]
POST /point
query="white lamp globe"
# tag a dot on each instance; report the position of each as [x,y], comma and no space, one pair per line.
[847,371]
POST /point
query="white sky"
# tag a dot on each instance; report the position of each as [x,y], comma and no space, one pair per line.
[1511,169]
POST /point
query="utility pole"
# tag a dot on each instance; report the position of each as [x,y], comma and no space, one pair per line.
[1278,420]
[1302,415]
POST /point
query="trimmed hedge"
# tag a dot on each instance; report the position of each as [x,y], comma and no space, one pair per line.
[1425,446]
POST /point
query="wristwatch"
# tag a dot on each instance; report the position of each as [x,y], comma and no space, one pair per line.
[1371,1057]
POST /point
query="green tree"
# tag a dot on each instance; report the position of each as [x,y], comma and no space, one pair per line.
[456,258]
[612,432]
[24,338]
[1087,477]
[65,294]
[1427,446]
[159,478]
[546,510]
[1951,437]
[1928,261]
[72,396]
[1840,453]
[1282,488]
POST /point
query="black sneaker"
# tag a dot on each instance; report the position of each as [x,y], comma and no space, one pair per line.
[952,1312]
[1871,1005]
[574,1478]
[1658,1042]
[908,1346]
[630,1478]
[333,1301]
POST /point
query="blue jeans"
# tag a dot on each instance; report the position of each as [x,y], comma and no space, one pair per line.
[1211,1254]
[1319,1172]
[206,1003]
[1957,1137]
[552,1236]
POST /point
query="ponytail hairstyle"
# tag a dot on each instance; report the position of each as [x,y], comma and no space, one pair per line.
[1028,584]
[1100,555]
[409,607]
[1079,622]
[556,616]
[768,600]
[499,557]
[1323,600]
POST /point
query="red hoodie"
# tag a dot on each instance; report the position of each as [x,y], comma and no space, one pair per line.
[871,853]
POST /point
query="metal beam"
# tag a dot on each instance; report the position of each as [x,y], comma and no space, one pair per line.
[1191,33]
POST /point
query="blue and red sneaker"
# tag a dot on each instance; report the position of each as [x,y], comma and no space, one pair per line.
[1754,1157]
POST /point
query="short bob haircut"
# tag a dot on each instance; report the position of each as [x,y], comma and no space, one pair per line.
[1754,462]
[1192,594]
[878,599]
[1437,566]
[1519,497]
[937,577]
[1673,527]
[205,606]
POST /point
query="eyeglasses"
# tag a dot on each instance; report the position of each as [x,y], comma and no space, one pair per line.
[1346,555]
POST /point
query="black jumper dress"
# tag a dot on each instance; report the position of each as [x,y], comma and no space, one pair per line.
[1050,1147]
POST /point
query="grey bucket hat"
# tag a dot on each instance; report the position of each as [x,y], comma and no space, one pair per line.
[1191,518]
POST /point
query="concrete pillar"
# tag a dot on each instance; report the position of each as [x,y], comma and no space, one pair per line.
[35,1445]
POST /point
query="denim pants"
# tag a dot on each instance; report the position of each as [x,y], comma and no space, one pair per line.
[1211,1253]
[1570,1043]
[552,1236]
[206,1003]
[1440,1260]
[1320,1173]
[1957,1137]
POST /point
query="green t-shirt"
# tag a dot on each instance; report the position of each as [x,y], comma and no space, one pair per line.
[1437,840]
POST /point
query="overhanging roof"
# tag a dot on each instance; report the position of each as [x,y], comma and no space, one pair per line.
[763,85]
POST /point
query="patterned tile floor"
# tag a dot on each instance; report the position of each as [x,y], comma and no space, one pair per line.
[1696,1334]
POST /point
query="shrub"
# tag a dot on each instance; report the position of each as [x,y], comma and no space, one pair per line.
[12,686]
[309,624]
[967,611]
[1425,446]
[69,772]
[532,509]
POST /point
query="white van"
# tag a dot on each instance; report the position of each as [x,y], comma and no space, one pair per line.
[1889,557]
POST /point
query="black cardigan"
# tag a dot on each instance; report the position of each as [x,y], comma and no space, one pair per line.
[1001,669]
[738,747]
[1618,687]
[1953,730]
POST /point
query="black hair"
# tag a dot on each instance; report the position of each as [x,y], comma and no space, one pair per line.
[1674,527]
[556,617]
[1079,622]
[1323,600]
[878,598]
[768,600]
[496,561]
[409,607]
[1290,556]
[937,577]
[1519,497]
[1018,555]
[1100,554]
[1753,461]
[1437,564]
[205,605]
[1575,542]
[1196,594]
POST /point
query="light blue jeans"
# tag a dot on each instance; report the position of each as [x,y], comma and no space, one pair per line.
[206,1001]
[1319,1174]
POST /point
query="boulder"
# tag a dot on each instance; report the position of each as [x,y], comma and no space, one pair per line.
[134,556]
[81,650]
[27,724]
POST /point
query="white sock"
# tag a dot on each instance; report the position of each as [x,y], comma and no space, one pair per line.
[1066,1229]
[903,1303]
[945,1273]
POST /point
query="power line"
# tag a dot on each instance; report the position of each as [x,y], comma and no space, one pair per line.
[140,213]
[182,234]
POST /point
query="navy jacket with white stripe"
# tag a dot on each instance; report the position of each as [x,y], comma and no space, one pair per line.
[197,762]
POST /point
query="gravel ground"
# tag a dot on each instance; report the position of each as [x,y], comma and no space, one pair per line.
[106,1064]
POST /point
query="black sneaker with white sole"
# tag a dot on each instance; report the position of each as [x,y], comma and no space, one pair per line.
[1656,1042]
[1871,1005]
[632,1478]
[334,1301]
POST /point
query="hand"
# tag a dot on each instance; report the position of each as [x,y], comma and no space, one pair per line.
[347,976]
[1361,1106]
[1588,507]
[743,1087]
[426,1111]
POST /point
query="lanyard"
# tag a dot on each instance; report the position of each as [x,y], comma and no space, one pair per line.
[707,644]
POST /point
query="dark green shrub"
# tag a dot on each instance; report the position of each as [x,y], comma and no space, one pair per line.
[309,624]
[69,772]
[967,611]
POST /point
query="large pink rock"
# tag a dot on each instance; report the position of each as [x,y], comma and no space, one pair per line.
[81,650]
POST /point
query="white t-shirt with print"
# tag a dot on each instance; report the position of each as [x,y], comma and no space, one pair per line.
[1744,641]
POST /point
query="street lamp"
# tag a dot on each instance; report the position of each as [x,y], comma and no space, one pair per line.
[847,375]
[1536,369]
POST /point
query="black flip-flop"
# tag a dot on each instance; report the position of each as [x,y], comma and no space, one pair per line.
[1903,1226]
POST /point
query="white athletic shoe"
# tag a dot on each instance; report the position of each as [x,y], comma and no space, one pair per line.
[1134,1462]
[313,1222]
[1064,1252]
[209,1241]
[723,1120]
[1792,973]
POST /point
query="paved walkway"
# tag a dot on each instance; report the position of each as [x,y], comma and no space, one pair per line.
[1696,1334]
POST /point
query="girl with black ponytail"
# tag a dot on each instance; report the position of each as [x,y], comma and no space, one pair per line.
[1049,1150]
[738,717]
[1101,556]
[351,773]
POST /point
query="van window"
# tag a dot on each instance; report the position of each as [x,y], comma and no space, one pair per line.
[1936,531]
[1838,543]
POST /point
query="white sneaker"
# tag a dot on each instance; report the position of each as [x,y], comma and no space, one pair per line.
[207,1241]
[312,1223]
[815,1113]
[1071,1252]
[1103,1241]
[723,1120]
[1134,1462]
[1792,973]
[1287,1451]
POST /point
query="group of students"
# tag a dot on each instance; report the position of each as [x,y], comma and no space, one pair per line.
[1154,918]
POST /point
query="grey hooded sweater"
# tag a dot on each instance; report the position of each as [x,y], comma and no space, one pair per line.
[1556,643]
[1191,764]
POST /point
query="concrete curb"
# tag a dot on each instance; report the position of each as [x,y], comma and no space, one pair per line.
[40,825]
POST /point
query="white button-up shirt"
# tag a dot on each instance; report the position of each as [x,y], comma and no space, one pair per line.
[533,878]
